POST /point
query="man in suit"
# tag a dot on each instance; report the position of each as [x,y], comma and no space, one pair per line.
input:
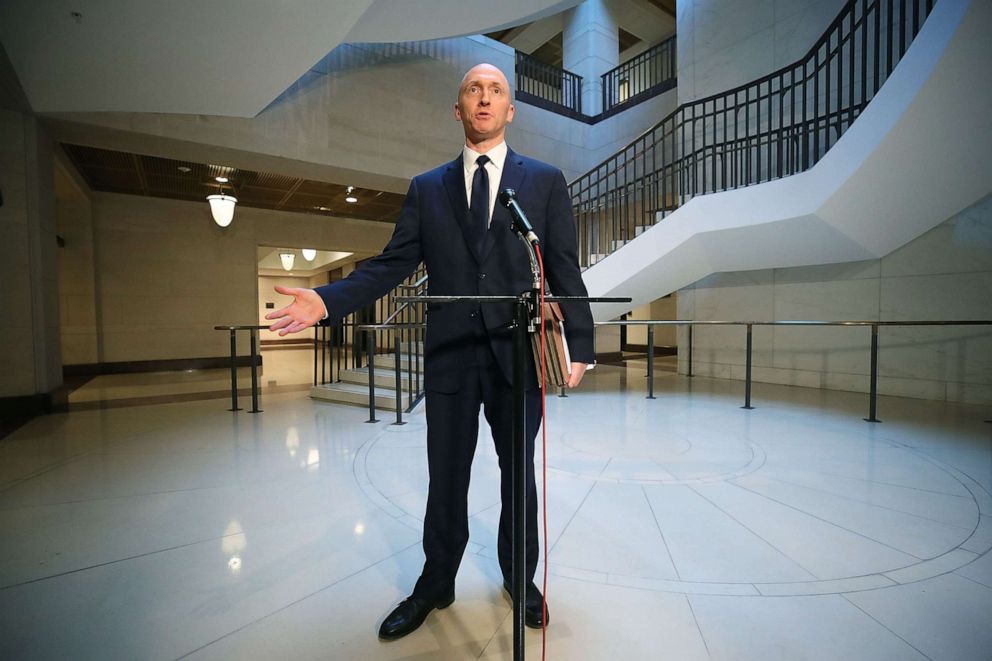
[450,221]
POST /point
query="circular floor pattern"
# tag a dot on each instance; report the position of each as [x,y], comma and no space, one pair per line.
[391,470]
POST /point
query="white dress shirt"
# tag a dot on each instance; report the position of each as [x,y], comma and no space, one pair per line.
[494,169]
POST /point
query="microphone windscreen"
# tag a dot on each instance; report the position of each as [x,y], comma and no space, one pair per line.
[506,196]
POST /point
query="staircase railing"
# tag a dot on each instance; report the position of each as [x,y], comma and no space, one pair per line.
[773,127]
[385,326]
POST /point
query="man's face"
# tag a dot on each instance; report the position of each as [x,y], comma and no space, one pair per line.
[484,107]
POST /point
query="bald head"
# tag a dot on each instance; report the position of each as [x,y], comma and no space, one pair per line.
[484,69]
[484,107]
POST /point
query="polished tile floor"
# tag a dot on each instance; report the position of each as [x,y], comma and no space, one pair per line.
[680,528]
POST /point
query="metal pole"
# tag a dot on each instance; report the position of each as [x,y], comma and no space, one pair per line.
[651,362]
[234,372]
[873,384]
[399,385]
[690,350]
[254,373]
[747,376]
[519,478]
[370,358]
[317,354]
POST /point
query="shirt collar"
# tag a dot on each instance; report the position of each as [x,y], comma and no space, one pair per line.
[497,156]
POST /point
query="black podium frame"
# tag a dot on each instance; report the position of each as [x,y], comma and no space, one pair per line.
[526,319]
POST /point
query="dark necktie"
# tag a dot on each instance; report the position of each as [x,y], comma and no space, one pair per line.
[479,210]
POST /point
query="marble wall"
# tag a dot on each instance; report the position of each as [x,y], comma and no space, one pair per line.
[77,281]
[945,274]
[29,333]
[726,43]
[166,274]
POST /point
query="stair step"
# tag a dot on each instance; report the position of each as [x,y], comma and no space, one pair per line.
[384,378]
[352,393]
[387,361]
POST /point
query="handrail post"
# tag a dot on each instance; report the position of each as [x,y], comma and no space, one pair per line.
[690,350]
[317,354]
[370,358]
[747,373]
[651,361]
[234,371]
[399,384]
[873,380]
[254,372]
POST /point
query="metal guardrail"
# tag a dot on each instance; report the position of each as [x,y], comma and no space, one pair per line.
[640,76]
[234,365]
[875,325]
[356,340]
[775,126]
[555,85]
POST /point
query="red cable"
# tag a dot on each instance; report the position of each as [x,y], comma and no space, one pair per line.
[544,459]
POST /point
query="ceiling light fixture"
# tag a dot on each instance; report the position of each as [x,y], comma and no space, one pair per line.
[351,199]
[221,204]
[288,258]
[309,254]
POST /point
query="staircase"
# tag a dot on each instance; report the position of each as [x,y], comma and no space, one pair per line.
[807,165]
[341,365]
[353,384]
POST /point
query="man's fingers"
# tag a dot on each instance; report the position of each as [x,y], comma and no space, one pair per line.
[294,327]
[282,323]
[578,370]
[287,291]
[278,313]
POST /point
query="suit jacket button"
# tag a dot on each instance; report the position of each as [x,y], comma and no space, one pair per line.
[482,276]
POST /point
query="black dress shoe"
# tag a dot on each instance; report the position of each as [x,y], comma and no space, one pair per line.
[410,614]
[535,616]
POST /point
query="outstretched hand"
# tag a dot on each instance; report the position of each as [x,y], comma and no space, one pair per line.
[306,310]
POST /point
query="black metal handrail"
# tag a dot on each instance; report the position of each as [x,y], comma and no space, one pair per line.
[640,76]
[254,360]
[552,84]
[873,355]
[359,336]
[773,127]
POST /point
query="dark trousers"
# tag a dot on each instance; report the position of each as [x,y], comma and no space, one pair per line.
[452,433]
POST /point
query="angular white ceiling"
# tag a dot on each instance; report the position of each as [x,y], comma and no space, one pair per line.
[223,57]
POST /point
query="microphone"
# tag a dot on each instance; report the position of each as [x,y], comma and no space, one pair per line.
[520,224]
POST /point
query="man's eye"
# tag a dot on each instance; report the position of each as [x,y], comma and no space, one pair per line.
[497,90]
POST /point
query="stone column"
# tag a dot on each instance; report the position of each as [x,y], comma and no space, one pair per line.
[591,47]
[29,330]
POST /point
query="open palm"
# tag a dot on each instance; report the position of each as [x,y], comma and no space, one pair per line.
[306,310]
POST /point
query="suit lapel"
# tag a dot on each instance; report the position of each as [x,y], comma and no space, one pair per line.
[513,177]
[454,185]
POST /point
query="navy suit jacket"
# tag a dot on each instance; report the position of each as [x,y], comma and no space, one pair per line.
[433,227]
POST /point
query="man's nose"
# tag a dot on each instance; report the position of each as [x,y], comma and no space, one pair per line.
[484,99]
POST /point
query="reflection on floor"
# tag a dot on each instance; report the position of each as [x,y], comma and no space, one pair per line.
[282,370]
[680,528]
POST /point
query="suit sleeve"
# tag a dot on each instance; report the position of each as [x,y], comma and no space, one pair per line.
[561,266]
[378,276]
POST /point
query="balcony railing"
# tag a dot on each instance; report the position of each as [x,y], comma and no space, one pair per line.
[773,127]
[552,85]
[647,74]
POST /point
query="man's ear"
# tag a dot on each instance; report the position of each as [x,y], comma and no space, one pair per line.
[458,113]
[510,113]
